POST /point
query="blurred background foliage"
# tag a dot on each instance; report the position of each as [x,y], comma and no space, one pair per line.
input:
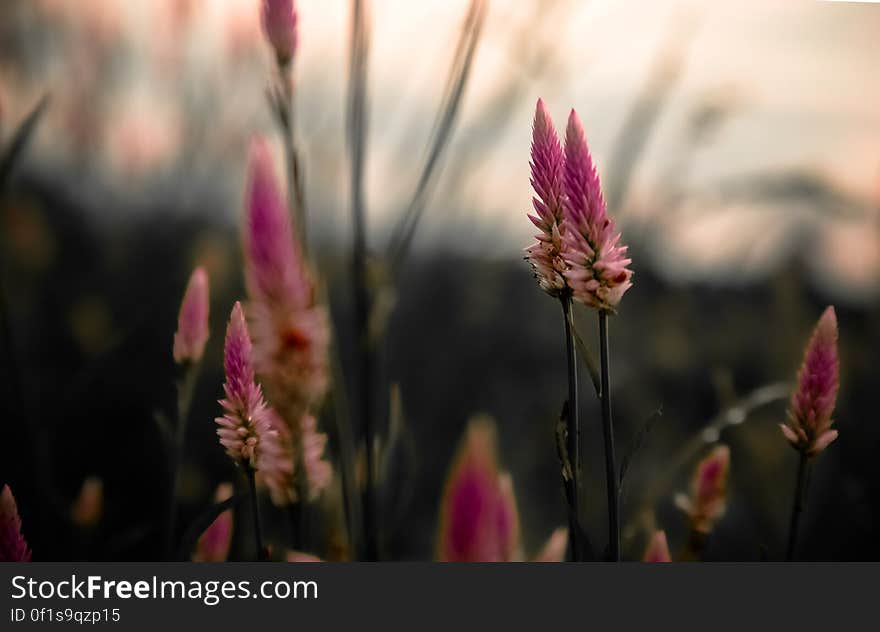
[738,147]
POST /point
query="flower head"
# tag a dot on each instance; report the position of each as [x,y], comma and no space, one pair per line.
[249,429]
[279,24]
[13,547]
[707,502]
[291,331]
[658,549]
[479,518]
[808,427]
[318,471]
[89,505]
[547,175]
[192,322]
[213,544]
[597,264]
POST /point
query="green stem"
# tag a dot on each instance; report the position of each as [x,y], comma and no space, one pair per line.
[800,493]
[573,430]
[185,388]
[608,432]
[255,505]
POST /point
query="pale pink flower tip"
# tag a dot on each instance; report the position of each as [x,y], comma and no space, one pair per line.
[597,264]
[554,548]
[192,322]
[291,331]
[707,502]
[213,544]
[808,427]
[479,518]
[299,556]
[13,547]
[248,429]
[279,24]
[89,505]
[658,549]
[547,174]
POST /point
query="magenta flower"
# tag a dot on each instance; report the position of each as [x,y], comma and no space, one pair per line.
[658,549]
[707,502]
[192,322]
[249,429]
[808,427]
[13,547]
[291,331]
[597,264]
[213,544]
[279,24]
[89,505]
[547,176]
[479,519]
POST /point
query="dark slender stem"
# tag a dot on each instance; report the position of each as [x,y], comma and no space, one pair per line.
[185,387]
[573,429]
[296,197]
[797,508]
[608,432]
[255,505]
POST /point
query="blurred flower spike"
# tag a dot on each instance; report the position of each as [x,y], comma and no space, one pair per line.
[250,430]
[808,427]
[13,547]
[192,322]
[707,502]
[597,271]
[279,20]
[89,505]
[658,549]
[213,544]
[547,172]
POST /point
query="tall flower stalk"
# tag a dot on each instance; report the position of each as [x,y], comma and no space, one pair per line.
[596,272]
[545,257]
[808,427]
[13,546]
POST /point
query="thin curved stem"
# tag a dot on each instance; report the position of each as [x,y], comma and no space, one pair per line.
[800,493]
[608,432]
[573,430]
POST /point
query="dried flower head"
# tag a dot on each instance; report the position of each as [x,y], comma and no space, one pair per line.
[291,331]
[808,427]
[479,519]
[192,322]
[248,429]
[597,270]
[707,502]
[658,549]
[547,174]
[89,505]
[213,544]
[13,547]
[279,24]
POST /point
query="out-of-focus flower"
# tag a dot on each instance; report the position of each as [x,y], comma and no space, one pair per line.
[554,549]
[707,502]
[192,322]
[547,176]
[597,270]
[89,505]
[279,24]
[299,556]
[13,547]
[318,471]
[248,429]
[213,544]
[479,519]
[291,331]
[658,549]
[808,427]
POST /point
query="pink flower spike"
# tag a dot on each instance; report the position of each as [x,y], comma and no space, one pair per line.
[192,322]
[318,471]
[547,174]
[555,547]
[279,24]
[213,544]
[479,521]
[808,426]
[248,429]
[13,547]
[89,505]
[658,549]
[707,502]
[597,271]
